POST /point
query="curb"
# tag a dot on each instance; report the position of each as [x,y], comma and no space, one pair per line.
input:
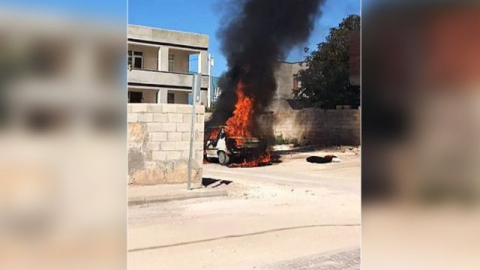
[141,200]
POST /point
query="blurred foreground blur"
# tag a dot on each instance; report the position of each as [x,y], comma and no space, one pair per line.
[62,140]
[420,135]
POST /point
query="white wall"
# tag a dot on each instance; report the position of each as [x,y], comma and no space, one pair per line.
[149,55]
[180,60]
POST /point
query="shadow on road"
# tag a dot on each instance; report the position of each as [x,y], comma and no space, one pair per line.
[213,183]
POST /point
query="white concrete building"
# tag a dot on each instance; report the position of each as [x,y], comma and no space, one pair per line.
[161,62]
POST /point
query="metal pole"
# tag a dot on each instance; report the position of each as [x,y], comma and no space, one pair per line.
[195,91]
[209,80]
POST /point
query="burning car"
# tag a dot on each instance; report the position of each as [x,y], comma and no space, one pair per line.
[218,144]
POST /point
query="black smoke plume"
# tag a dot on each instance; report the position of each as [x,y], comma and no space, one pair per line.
[257,35]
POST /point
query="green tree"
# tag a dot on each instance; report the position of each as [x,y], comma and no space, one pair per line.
[325,81]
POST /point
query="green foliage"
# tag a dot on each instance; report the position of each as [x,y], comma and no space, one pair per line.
[325,82]
[211,109]
[280,140]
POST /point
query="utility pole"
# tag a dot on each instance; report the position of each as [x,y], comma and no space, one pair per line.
[209,69]
[195,96]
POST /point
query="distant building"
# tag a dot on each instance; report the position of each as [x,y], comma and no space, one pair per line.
[161,63]
[216,91]
[286,83]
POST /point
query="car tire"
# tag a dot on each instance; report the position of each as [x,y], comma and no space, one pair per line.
[223,158]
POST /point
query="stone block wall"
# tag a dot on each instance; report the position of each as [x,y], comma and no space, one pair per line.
[159,141]
[319,127]
[313,126]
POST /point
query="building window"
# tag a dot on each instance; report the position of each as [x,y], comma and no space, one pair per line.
[295,83]
[135,59]
[170,62]
[170,98]
[135,97]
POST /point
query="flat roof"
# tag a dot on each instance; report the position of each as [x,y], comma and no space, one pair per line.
[153,35]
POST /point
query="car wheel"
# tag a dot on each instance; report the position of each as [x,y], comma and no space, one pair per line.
[223,158]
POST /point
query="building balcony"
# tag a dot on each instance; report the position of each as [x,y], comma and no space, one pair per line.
[163,79]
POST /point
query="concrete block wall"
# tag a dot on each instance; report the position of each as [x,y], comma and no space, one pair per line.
[159,141]
[316,126]
[319,127]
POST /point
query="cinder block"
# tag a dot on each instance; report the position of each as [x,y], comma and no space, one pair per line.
[132,117]
[153,146]
[169,108]
[160,117]
[200,118]
[159,155]
[129,107]
[183,127]
[154,108]
[199,155]
[200,109]
[198,136]
[139,107]
[174,155]
[186,154]
[181,108]
[169,166]
[174,136]
[185,136]
[182,145]
[168,146]
[169,127]
[154,127]
[175,118]
[187,118]
[200,126]
[181,165]
[158,137]
[144,117]
[198,146]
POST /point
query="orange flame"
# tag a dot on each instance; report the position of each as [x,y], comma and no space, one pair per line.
[214,134]
[262,160]
[240,125]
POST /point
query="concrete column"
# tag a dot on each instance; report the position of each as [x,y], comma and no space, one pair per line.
[163,58]
[162,96]
[159,59]
[202,62]
[203,97]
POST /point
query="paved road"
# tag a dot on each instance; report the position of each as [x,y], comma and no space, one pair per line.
[341,260]
[289,216]
[296,172]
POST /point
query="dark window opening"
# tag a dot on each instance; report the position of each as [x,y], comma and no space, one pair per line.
[171,98]
[135,60]
[138,63]
[295,83]
[135,97]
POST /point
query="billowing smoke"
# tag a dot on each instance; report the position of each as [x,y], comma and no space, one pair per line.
[257,34]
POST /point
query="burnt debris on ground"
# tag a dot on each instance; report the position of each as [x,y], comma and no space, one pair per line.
[324,159]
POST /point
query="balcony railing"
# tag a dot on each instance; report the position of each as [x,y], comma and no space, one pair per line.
[164,78]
